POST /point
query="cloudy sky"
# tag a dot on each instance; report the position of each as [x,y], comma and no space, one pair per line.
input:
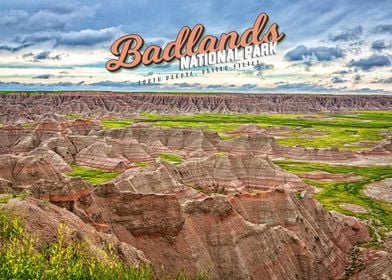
[331,46]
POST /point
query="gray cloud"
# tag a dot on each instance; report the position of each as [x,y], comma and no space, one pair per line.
[85,37]
[341,72]
[88,37]
[384,81]
[337,80]
[371,62]
[47,19]
[383,28]
[43,76]
[302,53]
[12,17]
[380,45]
[357,77]
[44,55]
[15,48]
[114,84]
[349,34]
[303,87]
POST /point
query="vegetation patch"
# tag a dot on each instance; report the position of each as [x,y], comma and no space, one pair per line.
[27,125]
[171,158]
[333,194]
[115,123]
[229,137]
[21,257]
[344,131]
[141,163]
[92,175]
[4,198]
[72,116]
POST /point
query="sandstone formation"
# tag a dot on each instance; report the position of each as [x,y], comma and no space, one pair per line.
[44,224]
[227,235]
[35,106]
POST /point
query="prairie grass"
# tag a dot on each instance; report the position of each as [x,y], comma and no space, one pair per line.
[171,158]
[116,123]
[333,194]
[23,257]
[92,175]
[141,163]
[335,130]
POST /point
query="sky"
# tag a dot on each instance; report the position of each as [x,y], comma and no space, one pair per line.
[331,46]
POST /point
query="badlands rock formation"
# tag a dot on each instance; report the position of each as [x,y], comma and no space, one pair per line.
[88,144]
[266,235]
[226,209]
[34,106]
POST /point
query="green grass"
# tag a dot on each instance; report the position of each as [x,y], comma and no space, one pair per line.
[115,123]
[73,116]
[27,125]
[22,257]
[333,130]
[91,175]
[171,158]
[141,163]
[332,194]
[229,137]
[4,198]
[341,138]
[373,119]
[218,127]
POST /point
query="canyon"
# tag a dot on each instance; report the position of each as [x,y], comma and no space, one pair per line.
[187,197]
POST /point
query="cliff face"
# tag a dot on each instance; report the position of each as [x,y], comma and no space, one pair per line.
[265,235]
[49,106]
